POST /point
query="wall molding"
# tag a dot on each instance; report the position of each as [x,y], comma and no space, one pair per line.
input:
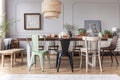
[17,4]
[90,3]
[62,20]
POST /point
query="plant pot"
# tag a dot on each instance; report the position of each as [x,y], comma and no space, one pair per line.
[84,34]
[107,36]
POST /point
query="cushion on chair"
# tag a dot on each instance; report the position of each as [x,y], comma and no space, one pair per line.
[7,43]
[11,43]
[107,48]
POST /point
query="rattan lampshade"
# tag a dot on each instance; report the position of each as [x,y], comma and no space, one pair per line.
[51,8]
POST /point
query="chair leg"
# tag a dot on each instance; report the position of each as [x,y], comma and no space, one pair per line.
[42,62]
[48,56]
[86,62]
[102,56]
[35,60]
[111,56]
[71,61]
[93,60]
[31,62]
[81,60]
[99,61]
[59,62]
[116,58]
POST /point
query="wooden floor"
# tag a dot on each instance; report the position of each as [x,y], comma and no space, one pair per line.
[64,69]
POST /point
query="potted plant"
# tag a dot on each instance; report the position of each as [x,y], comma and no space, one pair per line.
[82,32]
[4,27]
[3,30]
[107,34]
[69,28]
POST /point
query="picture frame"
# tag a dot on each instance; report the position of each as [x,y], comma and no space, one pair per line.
[95,25]
[32,21]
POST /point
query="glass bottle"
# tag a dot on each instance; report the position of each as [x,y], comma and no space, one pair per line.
[89,31]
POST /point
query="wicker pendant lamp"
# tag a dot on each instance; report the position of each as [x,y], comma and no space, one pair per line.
[51,8]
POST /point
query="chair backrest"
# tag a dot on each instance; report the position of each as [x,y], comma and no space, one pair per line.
[92,43]
[113,43]
[35,42]
[7,43]
[65,45]
[14,43]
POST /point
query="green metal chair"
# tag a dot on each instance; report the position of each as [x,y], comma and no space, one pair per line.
[36,52]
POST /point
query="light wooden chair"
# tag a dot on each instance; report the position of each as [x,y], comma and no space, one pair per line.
[36,52]
[92,47]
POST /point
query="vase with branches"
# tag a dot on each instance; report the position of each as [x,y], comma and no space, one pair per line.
[69,28]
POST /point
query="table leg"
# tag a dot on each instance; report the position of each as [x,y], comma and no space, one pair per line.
[22,56]
[28,54]
[94,60]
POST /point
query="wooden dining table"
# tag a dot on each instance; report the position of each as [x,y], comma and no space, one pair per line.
[57,38]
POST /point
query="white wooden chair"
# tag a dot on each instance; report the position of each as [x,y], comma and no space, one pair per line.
[92,46]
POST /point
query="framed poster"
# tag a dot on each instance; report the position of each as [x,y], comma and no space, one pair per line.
[95,25]
[32,21]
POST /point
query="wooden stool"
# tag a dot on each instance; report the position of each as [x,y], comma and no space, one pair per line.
[12,53]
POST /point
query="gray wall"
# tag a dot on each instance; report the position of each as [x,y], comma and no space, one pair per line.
[73,12]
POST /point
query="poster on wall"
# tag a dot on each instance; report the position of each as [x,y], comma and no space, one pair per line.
[32,21]
[94,24]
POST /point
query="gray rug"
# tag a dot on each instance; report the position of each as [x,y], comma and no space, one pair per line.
[60,77]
